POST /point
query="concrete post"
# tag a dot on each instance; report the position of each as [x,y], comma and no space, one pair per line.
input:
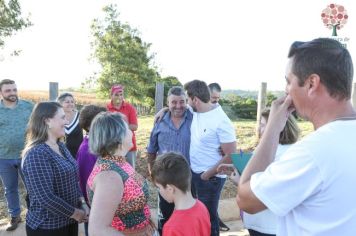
[159,95]
[262,101]
[53,91]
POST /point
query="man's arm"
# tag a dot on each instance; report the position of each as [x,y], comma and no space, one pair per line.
[227,149]
[151,158]
[132,119]
[264,155]
[159,115]
[152,147]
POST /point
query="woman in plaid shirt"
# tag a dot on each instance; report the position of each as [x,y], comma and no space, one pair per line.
[51,176]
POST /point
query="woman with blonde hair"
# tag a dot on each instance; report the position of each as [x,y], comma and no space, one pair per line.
[117,194]
[264,223]
[51,176]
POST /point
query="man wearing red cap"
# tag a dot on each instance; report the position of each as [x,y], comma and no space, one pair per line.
[117,104]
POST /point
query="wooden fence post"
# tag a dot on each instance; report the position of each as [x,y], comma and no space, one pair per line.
[159,95]
[53,91]
[262,101]
[353,96]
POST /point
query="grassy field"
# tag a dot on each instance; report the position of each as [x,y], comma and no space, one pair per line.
[245,132]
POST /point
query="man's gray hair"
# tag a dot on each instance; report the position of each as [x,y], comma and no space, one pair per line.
[107,132]
[176,90]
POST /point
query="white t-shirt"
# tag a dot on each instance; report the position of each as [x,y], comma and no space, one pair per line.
[208,131]
[312,187]
[264,221]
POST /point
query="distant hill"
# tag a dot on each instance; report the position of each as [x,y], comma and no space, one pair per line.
[248,93]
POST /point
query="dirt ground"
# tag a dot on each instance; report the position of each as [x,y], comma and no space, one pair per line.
[229,190]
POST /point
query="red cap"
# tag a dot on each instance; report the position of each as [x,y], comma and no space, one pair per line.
[118,88]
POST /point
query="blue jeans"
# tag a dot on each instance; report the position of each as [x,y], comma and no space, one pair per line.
[9,174]
[209,192]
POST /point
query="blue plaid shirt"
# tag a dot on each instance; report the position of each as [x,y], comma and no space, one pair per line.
[53,186]
[165,137]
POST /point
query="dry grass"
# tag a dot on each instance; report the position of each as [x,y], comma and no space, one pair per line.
[81,98]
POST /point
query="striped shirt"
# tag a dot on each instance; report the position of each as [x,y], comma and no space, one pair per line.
[165,137]
[53,186]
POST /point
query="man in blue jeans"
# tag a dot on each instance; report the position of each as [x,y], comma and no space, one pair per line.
[211,130]
[14,115]
[215,91]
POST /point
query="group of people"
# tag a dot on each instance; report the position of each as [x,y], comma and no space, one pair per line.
[289,187]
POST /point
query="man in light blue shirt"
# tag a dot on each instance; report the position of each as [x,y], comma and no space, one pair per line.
[172,133]
[14,115]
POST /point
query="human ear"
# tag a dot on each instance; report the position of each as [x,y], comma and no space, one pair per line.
[170,188]
[313,83]
[48,123]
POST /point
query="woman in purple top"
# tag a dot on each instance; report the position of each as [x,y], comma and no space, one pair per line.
[85,159]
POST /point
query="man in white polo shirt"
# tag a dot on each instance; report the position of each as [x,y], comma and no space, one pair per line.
[210,130]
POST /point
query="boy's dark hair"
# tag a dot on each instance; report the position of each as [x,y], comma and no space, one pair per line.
[327,58]
[172,168]
[199,89]
[87,114]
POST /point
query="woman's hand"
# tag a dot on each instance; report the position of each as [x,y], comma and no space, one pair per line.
[79,215]
[86,209]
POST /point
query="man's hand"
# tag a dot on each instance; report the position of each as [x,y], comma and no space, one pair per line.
[158,117]
[225,169]
[280,111]
[229,169]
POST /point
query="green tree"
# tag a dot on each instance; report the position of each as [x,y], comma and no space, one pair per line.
[169,82]
[124,58]
[11,19]
[270,98]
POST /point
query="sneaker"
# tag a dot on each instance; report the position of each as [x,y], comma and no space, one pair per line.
[13,223]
